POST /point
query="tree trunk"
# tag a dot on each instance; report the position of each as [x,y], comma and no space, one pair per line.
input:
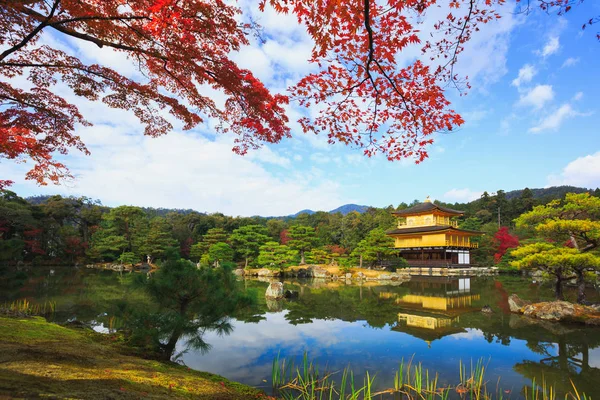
[360,261]
[246,266]
[302,260]
[581,287]
[558,289]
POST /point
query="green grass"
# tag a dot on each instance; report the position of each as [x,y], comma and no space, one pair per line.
[41,359]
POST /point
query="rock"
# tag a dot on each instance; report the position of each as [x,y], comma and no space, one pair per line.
[516,304]
[487,309]
[550,311]
[274,305]
[360,275]
[348,276]
[290,294]
[318,272]
[275,291]
[238,272]
[267,272]
[303,273]
[385,277]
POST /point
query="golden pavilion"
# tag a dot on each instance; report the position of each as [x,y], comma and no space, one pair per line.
[427,235]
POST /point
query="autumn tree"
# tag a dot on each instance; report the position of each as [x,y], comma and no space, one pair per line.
[570,229]
[247,241]
[178,46]
[302,238]
[504,241]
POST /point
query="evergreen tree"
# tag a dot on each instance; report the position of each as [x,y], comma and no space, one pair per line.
[158,239]
[220,253]
[569,235]
[373,248]
[302,239]
[248,239]
[276,256]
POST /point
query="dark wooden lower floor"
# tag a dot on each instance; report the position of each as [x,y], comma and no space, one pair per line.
[436,257]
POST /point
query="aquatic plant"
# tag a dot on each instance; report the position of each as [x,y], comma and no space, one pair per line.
[308,382]
[25,307]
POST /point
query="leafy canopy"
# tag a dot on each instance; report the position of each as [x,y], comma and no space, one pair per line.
[363,96]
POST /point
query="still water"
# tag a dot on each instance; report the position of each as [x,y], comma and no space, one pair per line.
[433,320]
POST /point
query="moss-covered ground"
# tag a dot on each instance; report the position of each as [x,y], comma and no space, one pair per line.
[44,360]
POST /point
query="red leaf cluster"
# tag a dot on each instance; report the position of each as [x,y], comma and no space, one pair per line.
[504,241]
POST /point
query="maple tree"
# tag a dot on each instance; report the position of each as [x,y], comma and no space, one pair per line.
[362,94]
[504,241]
[179,46]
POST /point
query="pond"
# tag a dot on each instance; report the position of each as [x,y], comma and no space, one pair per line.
[435,321]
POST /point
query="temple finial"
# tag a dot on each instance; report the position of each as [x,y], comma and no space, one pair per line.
[427,200]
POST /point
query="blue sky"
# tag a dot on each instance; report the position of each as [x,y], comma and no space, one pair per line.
[531,120]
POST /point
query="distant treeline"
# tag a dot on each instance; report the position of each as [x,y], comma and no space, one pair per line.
[55,229]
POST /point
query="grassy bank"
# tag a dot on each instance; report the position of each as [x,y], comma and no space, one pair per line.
[41,359]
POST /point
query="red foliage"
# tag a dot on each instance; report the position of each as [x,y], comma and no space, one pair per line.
[75,246]
[333,248]
[504,241]
[33,240]
[178,46]
[283,237]
[361,95]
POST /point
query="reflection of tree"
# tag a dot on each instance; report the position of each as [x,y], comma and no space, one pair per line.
[192,301]
[570,364]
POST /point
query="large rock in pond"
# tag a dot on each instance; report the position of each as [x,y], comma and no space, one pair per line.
[275,291]
[550,311]
[516,304]
[238,272]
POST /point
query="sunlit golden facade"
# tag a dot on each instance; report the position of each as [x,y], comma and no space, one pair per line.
[426,234]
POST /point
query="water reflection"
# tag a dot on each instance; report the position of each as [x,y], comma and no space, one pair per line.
[436,320]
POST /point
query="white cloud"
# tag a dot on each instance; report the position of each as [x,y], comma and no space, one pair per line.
[569,62]
[583,171]
[551,47]
[461,195]
[186,171]
[555,119]
[537,97]
[526,74]
[578,96]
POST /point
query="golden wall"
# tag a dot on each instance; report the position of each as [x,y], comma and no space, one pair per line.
[433,240]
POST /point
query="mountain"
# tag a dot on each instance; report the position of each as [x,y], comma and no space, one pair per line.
[345,209]
[348,208]
[553,192]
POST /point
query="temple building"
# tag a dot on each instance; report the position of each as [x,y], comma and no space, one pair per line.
[426,235]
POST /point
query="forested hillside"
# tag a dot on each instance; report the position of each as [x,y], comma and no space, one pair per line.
[68,230]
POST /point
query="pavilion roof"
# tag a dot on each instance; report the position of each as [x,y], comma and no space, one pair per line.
[427,207]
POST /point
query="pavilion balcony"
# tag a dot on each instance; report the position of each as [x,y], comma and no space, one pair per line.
[436,222]
[462,243]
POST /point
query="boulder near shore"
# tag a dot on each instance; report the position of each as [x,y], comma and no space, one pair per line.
[556,311]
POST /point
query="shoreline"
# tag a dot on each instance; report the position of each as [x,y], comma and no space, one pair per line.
[43,359]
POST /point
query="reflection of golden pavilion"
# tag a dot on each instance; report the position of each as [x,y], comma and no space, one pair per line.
[438,303]
[418,321]
[432,308]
